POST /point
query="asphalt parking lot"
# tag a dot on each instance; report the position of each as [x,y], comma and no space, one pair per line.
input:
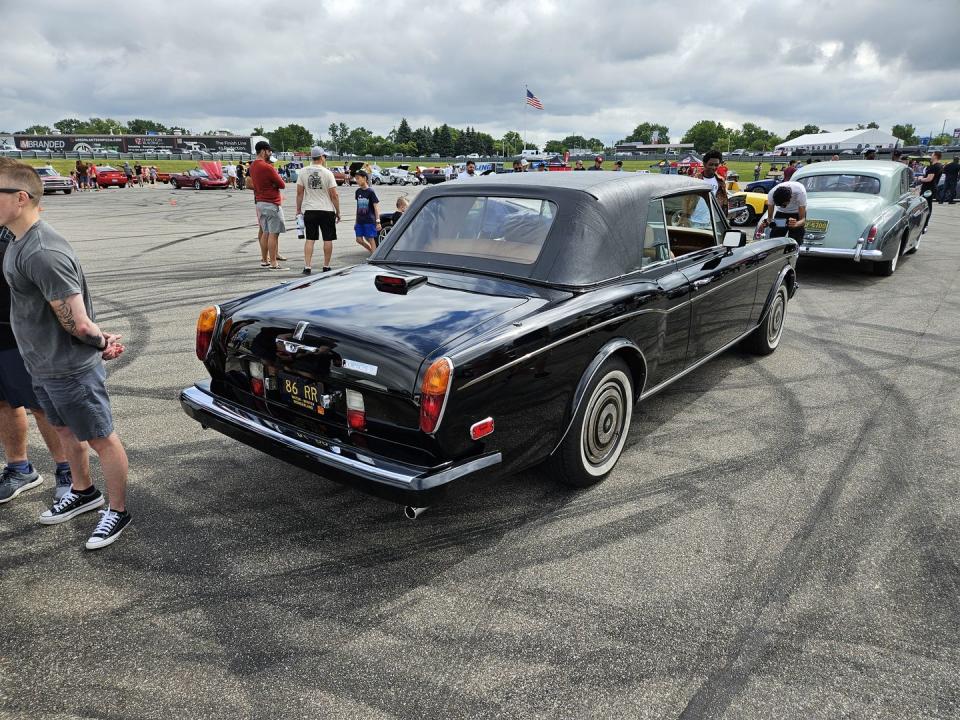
[781,539]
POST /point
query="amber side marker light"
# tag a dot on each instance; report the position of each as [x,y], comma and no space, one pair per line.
[205,325]
[433,394]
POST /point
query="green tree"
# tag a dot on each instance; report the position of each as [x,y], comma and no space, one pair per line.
[945,139]
[141,127]
[511,143]
[805,130]
[443,140]
[357,141]
[69,126]
[595,144]
[753,137]
[872,126]
[423,139]
[403,133]
[704,135]
[103,126]
[554,146]
[906,133]
[643,133]
[256,131]
[290,137]
[35,130]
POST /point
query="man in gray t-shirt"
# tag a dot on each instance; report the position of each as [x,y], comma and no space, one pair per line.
[63,349]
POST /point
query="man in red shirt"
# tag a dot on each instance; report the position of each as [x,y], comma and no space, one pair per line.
[789,170]
[267,185]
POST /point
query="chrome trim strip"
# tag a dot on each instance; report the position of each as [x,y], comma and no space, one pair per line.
[701,361]
[694,295]
[574,336]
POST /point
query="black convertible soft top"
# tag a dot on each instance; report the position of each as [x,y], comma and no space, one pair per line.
[598,232]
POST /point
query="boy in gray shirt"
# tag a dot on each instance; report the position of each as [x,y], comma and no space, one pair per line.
[52,317]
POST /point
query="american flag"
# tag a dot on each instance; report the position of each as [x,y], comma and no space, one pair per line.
[534,100]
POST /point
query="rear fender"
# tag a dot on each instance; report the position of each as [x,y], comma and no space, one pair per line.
[788,276]
[635,360]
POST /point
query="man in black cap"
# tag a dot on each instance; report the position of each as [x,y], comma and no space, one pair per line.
[597,163]
[870,154]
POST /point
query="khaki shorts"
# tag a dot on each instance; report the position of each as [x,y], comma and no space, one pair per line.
[270,218]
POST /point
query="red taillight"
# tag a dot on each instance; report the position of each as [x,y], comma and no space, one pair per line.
[205,326]
[481,429]
[256,377]
[872,235]
[356,415]
[433,394]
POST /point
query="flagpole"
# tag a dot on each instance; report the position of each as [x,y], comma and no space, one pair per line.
[525,91]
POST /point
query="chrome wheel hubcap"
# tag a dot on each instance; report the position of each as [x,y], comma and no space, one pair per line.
[603,424]
[775,325]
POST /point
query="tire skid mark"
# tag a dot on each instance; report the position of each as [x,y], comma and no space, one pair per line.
[715,695]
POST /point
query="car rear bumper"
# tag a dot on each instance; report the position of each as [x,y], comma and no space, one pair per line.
[392,480]
[856,254]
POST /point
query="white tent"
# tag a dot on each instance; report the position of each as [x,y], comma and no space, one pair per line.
[857,140]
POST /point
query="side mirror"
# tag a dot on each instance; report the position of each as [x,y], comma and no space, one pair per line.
[734,239]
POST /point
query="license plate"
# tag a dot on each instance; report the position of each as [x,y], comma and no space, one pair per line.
[301,393]
[816,226]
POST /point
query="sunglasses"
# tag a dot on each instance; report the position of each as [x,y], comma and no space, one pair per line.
[11,191]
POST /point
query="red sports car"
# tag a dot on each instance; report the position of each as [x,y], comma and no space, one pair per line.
[209,176]
[109,176]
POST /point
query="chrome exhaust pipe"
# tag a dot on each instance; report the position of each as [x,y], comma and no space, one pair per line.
[412,513]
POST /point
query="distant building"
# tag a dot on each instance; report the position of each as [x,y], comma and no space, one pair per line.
[829,143]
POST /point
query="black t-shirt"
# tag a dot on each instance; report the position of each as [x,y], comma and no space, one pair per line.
[937,170]
[7,340]
[951,171]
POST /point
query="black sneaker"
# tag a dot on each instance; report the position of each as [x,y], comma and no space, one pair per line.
[71,505]
[64,481]
[326,268]
[307,271]
[111,524]
[12,483]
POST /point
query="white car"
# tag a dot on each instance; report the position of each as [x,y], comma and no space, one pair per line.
[473,156]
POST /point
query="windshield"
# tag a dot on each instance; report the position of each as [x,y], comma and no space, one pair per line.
[46,172]
[507,229]
[841,183]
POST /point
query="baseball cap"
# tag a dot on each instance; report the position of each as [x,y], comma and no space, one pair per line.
[317,151]
[599,157]
[262,145]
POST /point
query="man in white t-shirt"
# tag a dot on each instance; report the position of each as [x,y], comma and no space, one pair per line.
[469,173]
[786,210]
[319,203]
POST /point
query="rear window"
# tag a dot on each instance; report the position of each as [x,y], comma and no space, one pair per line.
[506,229]
[841,183]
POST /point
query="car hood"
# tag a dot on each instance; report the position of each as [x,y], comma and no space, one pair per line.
[370,335]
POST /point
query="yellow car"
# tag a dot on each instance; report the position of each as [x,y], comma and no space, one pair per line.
[754,205]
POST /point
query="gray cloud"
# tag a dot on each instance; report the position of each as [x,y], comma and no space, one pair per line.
[599,67]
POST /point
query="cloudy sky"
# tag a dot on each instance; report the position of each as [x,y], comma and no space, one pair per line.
[599,68]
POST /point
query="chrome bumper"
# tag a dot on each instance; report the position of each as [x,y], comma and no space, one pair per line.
[856,254]
[401,482]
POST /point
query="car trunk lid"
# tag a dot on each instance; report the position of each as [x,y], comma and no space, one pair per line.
[847,216]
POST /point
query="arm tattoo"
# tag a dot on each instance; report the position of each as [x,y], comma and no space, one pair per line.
[68,322]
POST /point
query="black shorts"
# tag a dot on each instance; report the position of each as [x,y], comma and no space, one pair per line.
[317,222]
[778,231]
[16,385]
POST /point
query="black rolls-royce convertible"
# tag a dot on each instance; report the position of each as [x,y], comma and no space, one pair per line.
[503,323]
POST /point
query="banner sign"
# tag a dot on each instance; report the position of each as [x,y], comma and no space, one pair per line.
[133,143]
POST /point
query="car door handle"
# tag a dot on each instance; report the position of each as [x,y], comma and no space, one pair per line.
[697,284]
